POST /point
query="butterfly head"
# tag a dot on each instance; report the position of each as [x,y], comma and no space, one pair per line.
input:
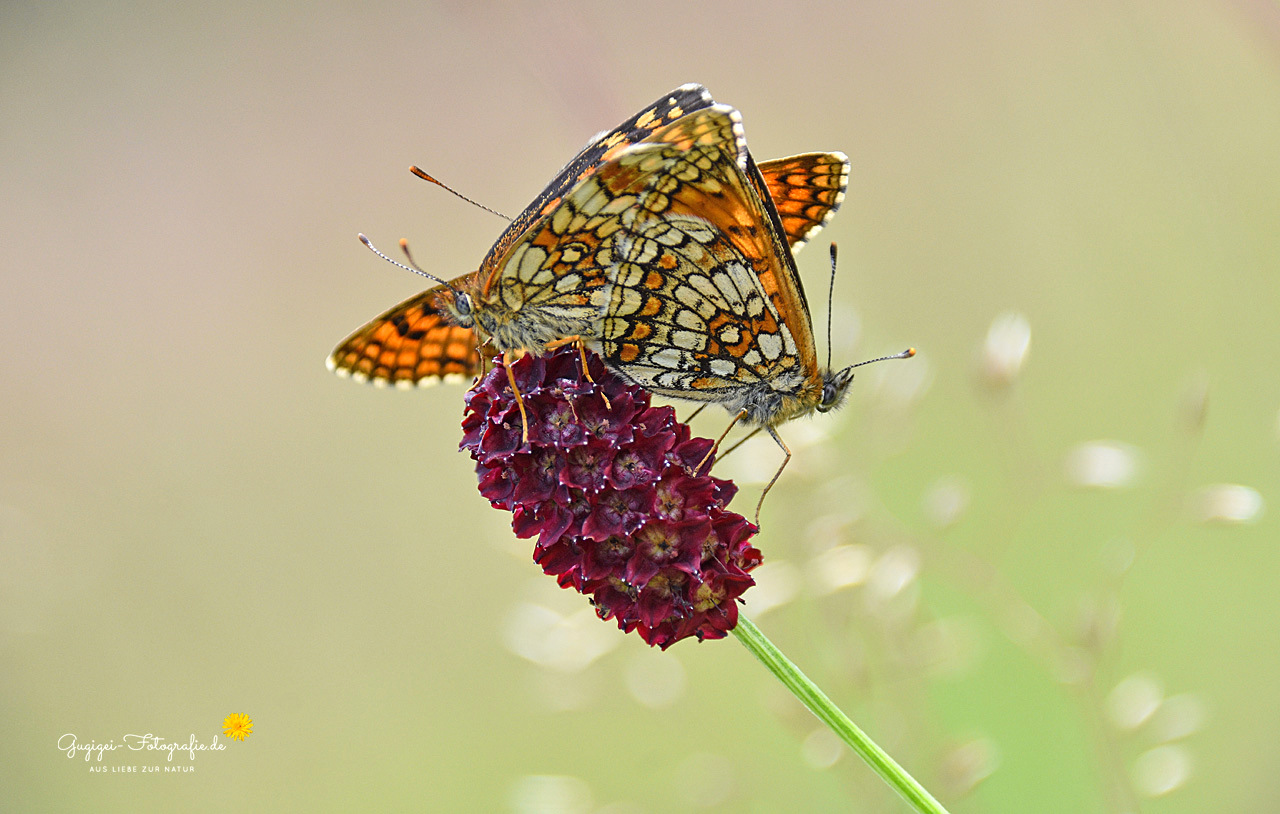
[454,298]
[457,304]
[835,386]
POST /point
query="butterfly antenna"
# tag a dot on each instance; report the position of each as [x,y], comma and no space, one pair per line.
[906,354]
[424,176]
[404,247]
[831,291]
[404,244]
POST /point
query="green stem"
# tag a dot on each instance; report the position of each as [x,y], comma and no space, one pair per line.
[820,705]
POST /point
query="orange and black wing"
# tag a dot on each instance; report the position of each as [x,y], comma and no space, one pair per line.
[703,300]
[543,280]
[671,106]
[806,190]
[411,345]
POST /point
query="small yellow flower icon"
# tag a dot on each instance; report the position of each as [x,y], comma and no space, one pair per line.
[237,726]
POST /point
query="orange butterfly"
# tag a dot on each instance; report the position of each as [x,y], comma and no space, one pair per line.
[542,281]
[703,301]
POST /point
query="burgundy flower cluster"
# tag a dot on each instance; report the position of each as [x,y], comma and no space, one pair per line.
[607,485]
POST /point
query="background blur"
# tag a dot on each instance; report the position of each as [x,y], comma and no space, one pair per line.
[1035,562]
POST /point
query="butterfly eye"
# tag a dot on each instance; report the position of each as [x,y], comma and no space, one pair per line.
[830,397]
[834,387]
[457,304]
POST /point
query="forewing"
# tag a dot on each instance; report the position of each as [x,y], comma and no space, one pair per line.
[703,298]
[670,107]
[550,276]
[550,282]
[412,344]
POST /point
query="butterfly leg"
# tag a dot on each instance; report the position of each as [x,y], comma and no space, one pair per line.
[744,440]
[716,445]
[694,414]
[507,359]
[582,355]
[774,435]
[482,368]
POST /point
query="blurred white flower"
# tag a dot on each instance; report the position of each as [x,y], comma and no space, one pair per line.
[1073,665]
[826,531]
[1102,465]
[1161,770]
[1178,717]
[777,583]
[839,567]
[564,643]
[895,569]
[945,501]
[1227,503]
[1134,700]
[755,461]
[551,794]
[804,434]
[821,749]
[1005,349]
[892,591]
[969,764]
[846,492]
[1025,626]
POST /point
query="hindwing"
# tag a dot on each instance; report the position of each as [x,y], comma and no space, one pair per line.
[411,344]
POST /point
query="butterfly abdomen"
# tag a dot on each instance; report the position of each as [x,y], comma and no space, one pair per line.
[777,401]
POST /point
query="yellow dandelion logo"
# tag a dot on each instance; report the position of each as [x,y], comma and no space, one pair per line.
[237,726]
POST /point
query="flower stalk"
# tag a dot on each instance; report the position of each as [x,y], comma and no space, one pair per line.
[817,702]
[619,497]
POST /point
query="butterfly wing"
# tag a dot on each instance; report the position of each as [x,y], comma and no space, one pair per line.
[704,301]
[411,345]
[545,282]
[806,190]
[671,106]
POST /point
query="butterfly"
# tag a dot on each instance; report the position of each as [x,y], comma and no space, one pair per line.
[669,256]
[703,300]
[431,336]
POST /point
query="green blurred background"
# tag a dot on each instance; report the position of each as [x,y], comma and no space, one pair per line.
[1045,580]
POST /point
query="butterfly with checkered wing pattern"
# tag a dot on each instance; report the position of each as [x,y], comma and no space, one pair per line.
[703,300]
[416,344]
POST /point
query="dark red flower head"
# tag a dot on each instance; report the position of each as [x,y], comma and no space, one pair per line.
[608,489]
